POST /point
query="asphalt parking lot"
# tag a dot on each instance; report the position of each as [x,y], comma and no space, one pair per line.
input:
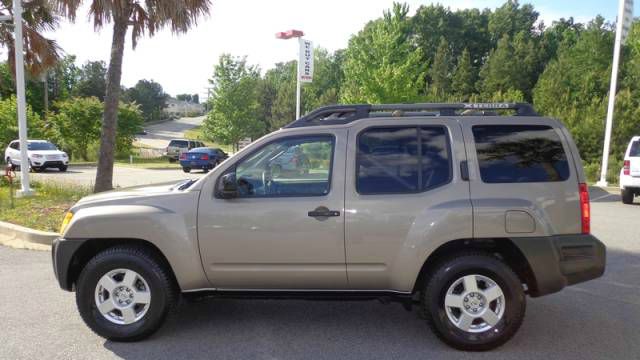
[594,320]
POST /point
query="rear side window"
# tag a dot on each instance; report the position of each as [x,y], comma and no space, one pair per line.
[635,149]
[520,154]
[402,160]
[179,143]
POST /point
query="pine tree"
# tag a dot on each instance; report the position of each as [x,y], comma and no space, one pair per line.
[440,71]
[463,81]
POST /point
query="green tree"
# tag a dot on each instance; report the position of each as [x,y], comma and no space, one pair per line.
[440,71]
[463,82]
[511,19]
[150,96]
[382,64]
[38,16]
[143,17]
[234,103]
[76,125]
[184,97]
[9,125]
[130,121]
[92,80]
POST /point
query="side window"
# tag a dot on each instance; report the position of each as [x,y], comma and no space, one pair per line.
[402,159]
[15,145]
[296,166]
[520,154]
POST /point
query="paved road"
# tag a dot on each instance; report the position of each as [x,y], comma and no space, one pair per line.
[123,176]
[595,320]
[159,135]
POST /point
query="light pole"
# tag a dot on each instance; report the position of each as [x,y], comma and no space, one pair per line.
[625,18]
[285,35]
[20,96]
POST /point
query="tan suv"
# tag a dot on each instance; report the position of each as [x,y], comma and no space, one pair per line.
[461,209]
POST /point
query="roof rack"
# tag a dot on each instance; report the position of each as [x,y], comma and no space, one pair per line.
[344,114]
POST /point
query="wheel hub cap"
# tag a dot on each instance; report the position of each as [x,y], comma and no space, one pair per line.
[122,296]
[474,303]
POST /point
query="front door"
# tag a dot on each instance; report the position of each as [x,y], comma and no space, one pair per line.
[285,230]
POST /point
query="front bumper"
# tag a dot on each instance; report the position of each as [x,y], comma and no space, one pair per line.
[50,163]
[62,256]
[559,261]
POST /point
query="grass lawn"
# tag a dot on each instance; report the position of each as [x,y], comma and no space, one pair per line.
[45,210]
[196,134]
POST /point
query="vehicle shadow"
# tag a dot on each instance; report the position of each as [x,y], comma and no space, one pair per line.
[593,320]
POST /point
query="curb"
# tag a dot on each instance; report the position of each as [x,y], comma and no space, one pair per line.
[21,237]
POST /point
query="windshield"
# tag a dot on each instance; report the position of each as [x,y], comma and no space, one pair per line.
[41,146]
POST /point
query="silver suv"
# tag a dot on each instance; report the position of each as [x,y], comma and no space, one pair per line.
[459,209]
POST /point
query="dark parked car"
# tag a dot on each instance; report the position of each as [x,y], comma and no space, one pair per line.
[202,158]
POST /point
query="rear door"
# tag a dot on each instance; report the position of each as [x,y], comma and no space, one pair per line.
[634,158]
[523,182]
[404,198]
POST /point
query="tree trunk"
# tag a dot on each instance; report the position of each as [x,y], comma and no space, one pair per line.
[104,176]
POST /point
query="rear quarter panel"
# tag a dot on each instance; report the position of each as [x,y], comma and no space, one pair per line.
[553,206]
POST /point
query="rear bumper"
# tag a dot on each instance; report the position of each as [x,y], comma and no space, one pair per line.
[200,164]
[628,181]
[559,261]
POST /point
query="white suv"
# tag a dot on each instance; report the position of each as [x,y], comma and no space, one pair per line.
[42,154]
[630,172]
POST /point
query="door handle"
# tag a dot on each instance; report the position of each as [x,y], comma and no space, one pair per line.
[323,211]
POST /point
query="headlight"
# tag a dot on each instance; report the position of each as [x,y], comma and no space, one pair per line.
[67,219]
[64,155]
[37,156]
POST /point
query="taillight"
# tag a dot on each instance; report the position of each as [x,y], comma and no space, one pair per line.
[204,157]
[626,168]
[183,156]
[585,210]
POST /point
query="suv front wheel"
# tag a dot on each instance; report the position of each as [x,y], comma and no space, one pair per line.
[124,293]
[474,302]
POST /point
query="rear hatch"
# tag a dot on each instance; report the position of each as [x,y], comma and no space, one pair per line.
[634,159]
[195,156]
[176,147]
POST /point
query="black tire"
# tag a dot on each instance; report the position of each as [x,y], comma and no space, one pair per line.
[446,274]
[164,292]
[63,168]
[186,169]
[627,196]
[14,167]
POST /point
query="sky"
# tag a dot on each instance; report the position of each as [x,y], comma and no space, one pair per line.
[184,63]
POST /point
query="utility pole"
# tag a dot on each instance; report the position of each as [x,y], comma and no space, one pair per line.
[625,18]
[25,189]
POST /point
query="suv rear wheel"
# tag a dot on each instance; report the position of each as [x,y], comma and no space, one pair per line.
[627,196]
[124,294]
[474,302]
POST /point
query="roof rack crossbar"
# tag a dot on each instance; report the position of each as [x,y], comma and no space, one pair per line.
[344,114]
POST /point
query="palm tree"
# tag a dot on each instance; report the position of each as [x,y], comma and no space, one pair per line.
[143,17]
[38,16]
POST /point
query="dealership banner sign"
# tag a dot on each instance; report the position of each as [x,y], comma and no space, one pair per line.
[305,63]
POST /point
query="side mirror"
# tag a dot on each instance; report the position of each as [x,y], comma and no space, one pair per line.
[228,186]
